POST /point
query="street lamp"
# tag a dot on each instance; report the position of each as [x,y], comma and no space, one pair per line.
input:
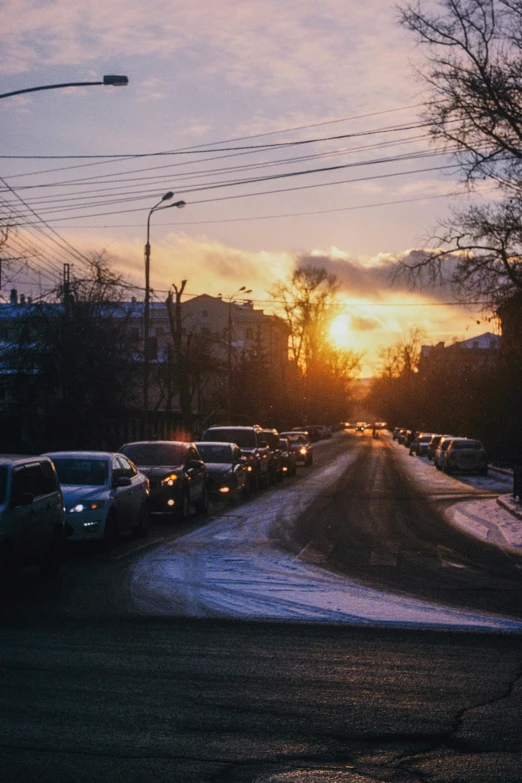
[146,311]
[111,80]
[244,290]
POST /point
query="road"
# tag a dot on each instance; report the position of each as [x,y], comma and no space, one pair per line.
[91,690]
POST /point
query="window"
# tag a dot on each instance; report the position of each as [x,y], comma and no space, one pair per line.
[29,480]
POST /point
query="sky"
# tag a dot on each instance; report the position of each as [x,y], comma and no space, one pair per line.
[292,130]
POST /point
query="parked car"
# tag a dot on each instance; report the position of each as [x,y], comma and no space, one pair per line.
[464,454]
[433,443]
[227,471]
[32,527]
[177,476]
[324,431]
[438,457]
[104,495]
[275,460]
[288,457]
[300,443]
[419,446]
[253,446]
[313,433]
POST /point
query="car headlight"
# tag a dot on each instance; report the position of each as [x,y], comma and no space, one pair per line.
[302,450]
[80,508]
[169,481]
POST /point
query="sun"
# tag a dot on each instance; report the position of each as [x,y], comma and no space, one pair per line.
[340,333]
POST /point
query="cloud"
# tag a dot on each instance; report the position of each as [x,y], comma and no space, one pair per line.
[319,48]
[375,277]
[365,324]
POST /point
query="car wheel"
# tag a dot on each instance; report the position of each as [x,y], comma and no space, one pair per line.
[182,511]
[110,534]
[142,528]
[203,503]
[51,564]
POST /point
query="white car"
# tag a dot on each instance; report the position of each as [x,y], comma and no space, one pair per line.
[438,457]
[465,455]
[104,495]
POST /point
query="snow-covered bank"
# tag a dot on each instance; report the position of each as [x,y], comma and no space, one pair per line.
[230,568]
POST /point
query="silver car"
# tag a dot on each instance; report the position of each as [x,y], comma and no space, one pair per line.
[104,495]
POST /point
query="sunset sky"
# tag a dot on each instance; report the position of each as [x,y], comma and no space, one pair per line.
[212,84]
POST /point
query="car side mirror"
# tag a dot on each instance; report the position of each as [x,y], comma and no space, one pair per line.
[122,481]
[194,464]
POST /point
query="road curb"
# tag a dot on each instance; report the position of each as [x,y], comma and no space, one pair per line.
[508,506]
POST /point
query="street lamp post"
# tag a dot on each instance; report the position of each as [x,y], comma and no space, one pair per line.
[229,349]
[111,80]
[146,310]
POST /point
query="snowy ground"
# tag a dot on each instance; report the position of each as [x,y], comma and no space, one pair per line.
[229,568]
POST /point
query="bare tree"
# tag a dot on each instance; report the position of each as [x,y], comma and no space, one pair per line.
[309,302]
[474,74]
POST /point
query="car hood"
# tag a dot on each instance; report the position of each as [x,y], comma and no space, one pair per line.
[73,493]
[159,471]
[215,468]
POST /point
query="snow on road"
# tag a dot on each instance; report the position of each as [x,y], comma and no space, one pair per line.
[230,568]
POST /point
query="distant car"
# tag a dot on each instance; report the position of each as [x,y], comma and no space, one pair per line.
[360,426]
[289,459]
[397,432]
[419,446]
[465,455]
[253,446]
[301,445]
[104,495]
[227,471]
[177,476]
[438,457]
[31,516]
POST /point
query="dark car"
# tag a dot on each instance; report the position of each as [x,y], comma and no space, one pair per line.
[275,460]
[253,446]
[300,445]
[227,471]
[177,475]
[32,526]
[288,456]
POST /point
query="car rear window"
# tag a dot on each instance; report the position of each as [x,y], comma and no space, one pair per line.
[243,438]
[467,444]
[155,453]
[82,472]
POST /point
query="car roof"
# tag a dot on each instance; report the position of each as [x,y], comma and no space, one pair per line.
[82,454]
[215,443]
[158,443]
[13,459]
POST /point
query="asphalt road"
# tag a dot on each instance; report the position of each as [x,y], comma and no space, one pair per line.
[90,692]
[376,526]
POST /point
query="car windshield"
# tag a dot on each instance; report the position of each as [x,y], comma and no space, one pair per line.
[244,438]
[82,472]
[295,438]
[214,453]
[155,453]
